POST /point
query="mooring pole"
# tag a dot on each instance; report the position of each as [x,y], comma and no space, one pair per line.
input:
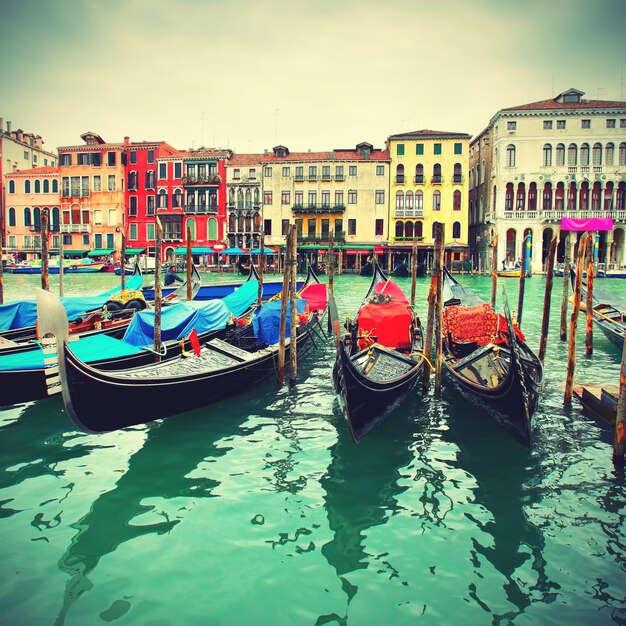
[589,302]
[494,269]
[413,271]
[522,279]
[158,294]
[284,296]
[45,276]
[293,322]
[61,265]
[440,260]
[566,278]
[428,340]
[123,262]
[259,297]
[545,320]
[188,264]
[620,419]
[571,349]
[331,263]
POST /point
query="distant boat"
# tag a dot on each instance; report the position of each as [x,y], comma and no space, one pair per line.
[512,273]
[78,266]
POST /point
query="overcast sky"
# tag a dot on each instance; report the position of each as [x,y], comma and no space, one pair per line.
[316,75]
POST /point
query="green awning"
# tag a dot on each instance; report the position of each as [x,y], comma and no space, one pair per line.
[75,253]
[101,252]
[135,250]
[194,250]
[355,247]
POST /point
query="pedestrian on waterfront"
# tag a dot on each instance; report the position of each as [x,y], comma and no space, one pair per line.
[171,276]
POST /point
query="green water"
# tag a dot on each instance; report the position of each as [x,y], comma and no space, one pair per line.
[261,510]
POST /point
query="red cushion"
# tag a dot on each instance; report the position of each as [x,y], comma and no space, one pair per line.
[390,322]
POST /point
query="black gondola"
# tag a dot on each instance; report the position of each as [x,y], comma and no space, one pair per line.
[99,401]
[486,358]
[401,270]
[609,313]
[380,358]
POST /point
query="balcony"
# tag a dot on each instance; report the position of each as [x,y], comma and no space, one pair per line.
[555,216]
[436,180]
[75,228]
[211,179]
[299,178]
[326,178]
[400,179]
[52,228]
[419,180]
[172,235]
[404,213]
[457,179]
[200,209]
[312,178]
[321,240]
[339,178]
[318,208]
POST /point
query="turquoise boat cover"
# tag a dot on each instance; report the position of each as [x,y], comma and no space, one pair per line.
[87,349]
[266,322]
[24,312]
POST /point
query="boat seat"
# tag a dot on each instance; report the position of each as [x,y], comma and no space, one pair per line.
[470,358]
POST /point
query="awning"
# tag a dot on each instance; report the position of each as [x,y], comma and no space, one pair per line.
[266,250]
[101,252]
[194,250]
[76,253]
[355,251]
[233,251]
[135,250]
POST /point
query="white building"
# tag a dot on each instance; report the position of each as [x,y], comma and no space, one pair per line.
[563,157]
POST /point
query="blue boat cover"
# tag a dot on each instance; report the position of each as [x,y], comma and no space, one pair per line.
[266,322]
[87,349]
[240,300]
[24,312]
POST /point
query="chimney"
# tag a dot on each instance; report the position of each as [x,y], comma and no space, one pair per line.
[38,142]
[8,127]
[1,124]
[20,135]
[126,141]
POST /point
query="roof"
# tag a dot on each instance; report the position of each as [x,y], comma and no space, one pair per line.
[245,159]
[35,171]
[553,103]
[335,155]
[430,134]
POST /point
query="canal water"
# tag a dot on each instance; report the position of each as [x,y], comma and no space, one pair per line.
[260,509]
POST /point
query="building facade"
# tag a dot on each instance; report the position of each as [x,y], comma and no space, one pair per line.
[428,184]
[559,158]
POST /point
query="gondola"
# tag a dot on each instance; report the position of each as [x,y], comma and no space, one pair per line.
[609,313]
[380,358]
[401,270]
[486,358]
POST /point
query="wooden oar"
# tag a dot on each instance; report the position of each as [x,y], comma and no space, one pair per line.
[609,319]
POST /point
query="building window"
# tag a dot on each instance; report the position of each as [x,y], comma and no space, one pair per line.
[111,159]
[380,170]
[285,197]
[267,172]
[572,154]
[284,228]
[162,199]
[457,177]
[298,198]
[610,123]
[82,158]
[419,201]
[436,200]
[351,227]
[149,205]
[326,198]
[547,124]
[399,201]
[27,186]
[286,171]
[510,154]
[132,206]
[150,179]
[55,186]
[11,216]
[326,172]
[436,148]
[419,149]
[456,230]
[456,201]
[585,123]
[560,124]
[311,228]
[267,227]
[380,196]
[400,149]
[379,227]
[352,170]
[458,148]
[150,156]
[622,123]
[162,170]
[97,217]
[11,186]
[339,198]
[312,172]
[178,170]
[339,172]
[352,196]
[511,125]
[584,155]
[622,154]
[132,231]
[312,199]
[609,152]
[150,232]
[267,197]
[65,160]
[111,182]
[133,157]
[97,183]
[597,155]
[547,155]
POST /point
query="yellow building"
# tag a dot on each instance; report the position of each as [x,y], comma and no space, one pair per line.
[428,184]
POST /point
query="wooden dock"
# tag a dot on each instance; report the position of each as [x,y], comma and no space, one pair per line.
[599,400]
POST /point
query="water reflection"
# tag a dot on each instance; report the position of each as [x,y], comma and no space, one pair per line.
[159,469]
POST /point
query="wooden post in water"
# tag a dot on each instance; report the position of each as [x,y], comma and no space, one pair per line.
[188,264]
[438,271]
[428,340]
[123,262]
[571,349]
[566,277]
[494,269]
[293,322]
[158,294]
[619,443]
[545,320]
[61,267]
[522,280]
[1,252]
[589,302]
[389,261]
[413,270]
[283,310]
[45,277]
[259,297]
[331,263]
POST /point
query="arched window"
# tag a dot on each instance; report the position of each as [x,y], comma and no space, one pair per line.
[511,244]
[559,197]
[419,201]
[11,186]
[418,229]
[436,173]
[212,229]
[495,195]
[399,201]
[608,196]
[508,197]
[572,155]
[571,197]
[436,200]
[520,197]
[532,197]
[609,154]
[11,216]
[56,219]
[458,173]
[190,223]
[622,154]
[408,202]
[177,198]
[596,194]
[510,155]
[456,230]
[400,173]
[419,174]
[37,218]
[162,199]
[597,155]
[547,155]
[27,186]
[584,196]
[408,230]
[584,155]
[456,201]
[27,218]
[37,186]
[232,223]
[399,230]
[620,196]
[55,186]
[46,186]
[547,197]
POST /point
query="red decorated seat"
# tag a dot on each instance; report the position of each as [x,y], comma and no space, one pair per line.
[388,322]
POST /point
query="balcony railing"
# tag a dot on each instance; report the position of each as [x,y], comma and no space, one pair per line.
[75,228]
[242,205]
[457,179]
[554,215]
[326,177]
[436,180]
[339,178]
[52,228]
[312,178]
[400,179]
[211,179]
[318,208]
[299,178]
[200,208]
[339,237]
[419,179]
[408,213]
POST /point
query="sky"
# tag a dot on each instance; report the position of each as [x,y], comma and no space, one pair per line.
[314,75]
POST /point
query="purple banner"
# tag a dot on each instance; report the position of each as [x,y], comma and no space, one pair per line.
[593,223]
